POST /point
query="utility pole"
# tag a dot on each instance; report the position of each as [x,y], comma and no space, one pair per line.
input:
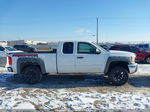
[97,31]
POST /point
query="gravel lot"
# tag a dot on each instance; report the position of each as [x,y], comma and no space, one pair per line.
[76,93]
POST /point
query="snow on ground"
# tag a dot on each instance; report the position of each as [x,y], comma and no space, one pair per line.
[2,70]
[57,93]
[67,100]
[143,69]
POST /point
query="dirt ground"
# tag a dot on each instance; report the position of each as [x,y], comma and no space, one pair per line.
[83,83]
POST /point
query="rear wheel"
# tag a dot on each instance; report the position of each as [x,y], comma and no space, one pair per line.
[32,74]
[147,60]
[118,76]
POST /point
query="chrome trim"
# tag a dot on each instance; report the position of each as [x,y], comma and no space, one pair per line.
[133,68]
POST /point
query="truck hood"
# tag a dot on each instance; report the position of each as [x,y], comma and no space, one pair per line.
[121,53]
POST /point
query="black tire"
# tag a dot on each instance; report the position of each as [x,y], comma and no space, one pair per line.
[147,60]
[32,74]
[118,76]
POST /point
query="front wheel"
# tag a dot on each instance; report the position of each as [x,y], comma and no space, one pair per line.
[118,76]
[147,60]
[32,74]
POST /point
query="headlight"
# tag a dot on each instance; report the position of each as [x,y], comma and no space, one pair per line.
[132,59]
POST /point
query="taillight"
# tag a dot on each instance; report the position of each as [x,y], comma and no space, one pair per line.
[9,60]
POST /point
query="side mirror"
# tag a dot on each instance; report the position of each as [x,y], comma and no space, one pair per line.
[98,51]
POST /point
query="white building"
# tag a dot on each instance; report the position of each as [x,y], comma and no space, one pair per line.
[32,42]
[22,42]
[12,43]
[3,43]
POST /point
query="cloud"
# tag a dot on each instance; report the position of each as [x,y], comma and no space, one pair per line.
[82,30]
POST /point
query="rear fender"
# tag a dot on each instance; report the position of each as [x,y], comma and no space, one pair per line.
[24,62]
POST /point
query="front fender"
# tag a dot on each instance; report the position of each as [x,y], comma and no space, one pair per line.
[116,59]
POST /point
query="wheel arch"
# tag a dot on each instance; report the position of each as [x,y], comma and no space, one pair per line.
[22,63]
[116,61]
[146,58]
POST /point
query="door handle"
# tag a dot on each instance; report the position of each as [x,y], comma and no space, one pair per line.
[80,57]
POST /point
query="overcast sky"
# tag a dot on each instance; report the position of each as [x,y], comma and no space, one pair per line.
[54,20]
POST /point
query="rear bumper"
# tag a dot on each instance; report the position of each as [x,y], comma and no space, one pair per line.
[133,68]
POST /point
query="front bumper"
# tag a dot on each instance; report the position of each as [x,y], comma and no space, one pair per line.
[133,68]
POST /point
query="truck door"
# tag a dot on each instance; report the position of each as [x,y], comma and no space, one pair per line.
[88,60]
[66,58]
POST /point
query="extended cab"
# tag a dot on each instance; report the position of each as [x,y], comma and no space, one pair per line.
[73,57]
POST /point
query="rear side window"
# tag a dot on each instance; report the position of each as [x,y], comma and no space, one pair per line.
[24,46]
[141,46]
[68,48]
[134,49]
[146,46]
[113,48]
[17,46]
[21,46]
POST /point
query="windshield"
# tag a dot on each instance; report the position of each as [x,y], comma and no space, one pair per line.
[10,49]
[100,47]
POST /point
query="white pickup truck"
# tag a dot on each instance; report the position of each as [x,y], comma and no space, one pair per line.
[73,57]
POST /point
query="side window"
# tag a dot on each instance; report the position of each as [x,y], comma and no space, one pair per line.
[125,49]
[2,49]
[146,45]
[18,46]
[86,48]
[68,48]
[134,49]
[141,46]
[23,46]
[113,48]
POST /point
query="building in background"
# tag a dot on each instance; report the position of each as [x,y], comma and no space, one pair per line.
[15,42]
[54,44]
[32,42]
[12,42]
[22,42]
[3,43]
